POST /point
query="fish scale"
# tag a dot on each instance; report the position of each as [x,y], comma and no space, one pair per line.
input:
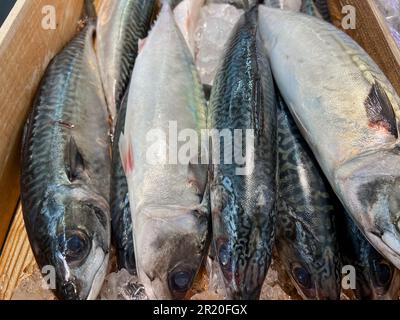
[65,171]
[243,207]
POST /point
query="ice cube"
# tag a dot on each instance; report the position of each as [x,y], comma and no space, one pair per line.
[213,31]
[33,288]
[121,285]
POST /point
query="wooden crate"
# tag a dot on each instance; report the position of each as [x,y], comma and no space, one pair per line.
[26,49]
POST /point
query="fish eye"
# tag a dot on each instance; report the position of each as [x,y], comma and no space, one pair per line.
[180,280]
[383,272]
[74,245]
[302,276]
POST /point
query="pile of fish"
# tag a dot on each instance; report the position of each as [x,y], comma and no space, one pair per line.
[277,139]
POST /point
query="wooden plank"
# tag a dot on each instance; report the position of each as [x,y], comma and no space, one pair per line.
[17,261]
[25,50]
[372,34]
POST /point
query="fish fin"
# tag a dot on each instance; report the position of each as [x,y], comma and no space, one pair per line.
[74,162]
[126,152]
[380,110]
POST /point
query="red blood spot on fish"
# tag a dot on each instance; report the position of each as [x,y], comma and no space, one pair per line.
[142,43]
[380,125]
[129,160]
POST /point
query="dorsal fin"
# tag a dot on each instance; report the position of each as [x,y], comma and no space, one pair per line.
[74,163]
[380,110]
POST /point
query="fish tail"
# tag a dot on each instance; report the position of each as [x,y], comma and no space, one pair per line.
[89,10]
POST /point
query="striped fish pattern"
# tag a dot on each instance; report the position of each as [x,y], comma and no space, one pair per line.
[66,171]
[243,206]
[121,24]
[306,240]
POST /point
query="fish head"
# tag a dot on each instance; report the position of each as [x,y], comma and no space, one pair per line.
[312,263]
[243,279]
[80,241]
[170,246]
[243,253]
[377,278]
[370,189]
[315,280]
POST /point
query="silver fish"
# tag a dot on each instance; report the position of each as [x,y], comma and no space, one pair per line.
[167,196]
[66,171]
[348,112]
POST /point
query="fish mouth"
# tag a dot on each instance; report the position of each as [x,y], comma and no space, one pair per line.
[98,278]
[386,244]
